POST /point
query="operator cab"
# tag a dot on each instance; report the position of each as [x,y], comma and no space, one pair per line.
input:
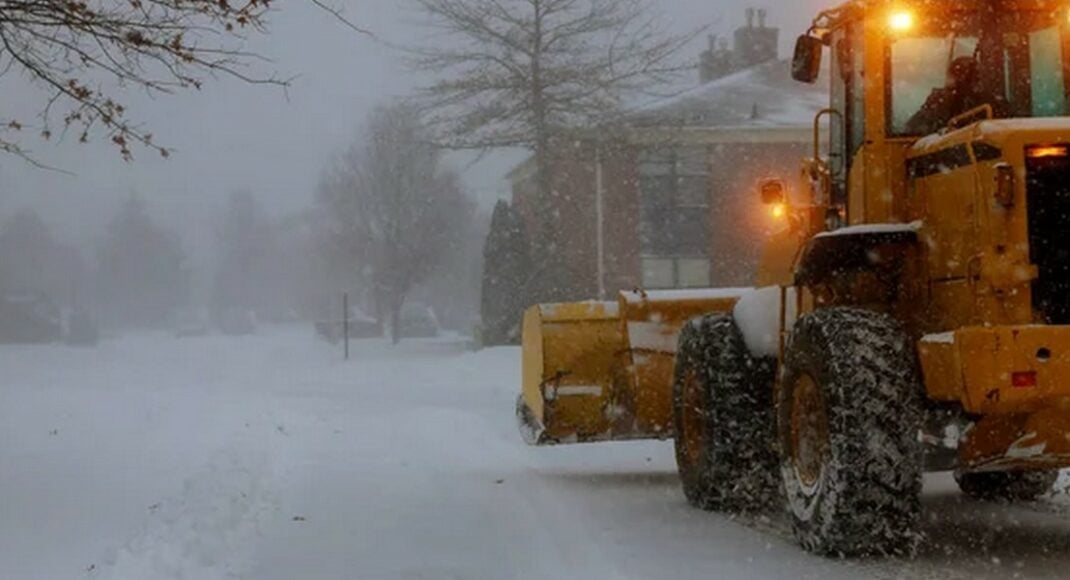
[954,116]
[903,70]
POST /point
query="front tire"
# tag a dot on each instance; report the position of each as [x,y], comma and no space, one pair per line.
[1007,485]
[722,412]
[848,412]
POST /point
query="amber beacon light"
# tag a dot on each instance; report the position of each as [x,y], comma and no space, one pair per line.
[901,20]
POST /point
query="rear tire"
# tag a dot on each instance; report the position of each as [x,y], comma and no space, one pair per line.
[722,412]
[1007,485]
[848,413]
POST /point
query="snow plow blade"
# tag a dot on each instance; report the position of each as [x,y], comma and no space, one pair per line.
[602,371]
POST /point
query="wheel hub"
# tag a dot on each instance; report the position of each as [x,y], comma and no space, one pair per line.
[809,431]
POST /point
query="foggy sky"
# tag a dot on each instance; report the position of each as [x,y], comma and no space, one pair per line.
[231,136]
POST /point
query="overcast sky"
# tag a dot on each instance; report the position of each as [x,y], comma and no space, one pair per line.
[231,136]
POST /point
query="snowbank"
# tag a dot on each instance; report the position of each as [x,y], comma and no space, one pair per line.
[758,316]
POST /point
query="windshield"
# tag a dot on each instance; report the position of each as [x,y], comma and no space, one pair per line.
[1010,60]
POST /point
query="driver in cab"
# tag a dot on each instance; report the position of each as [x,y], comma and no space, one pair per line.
[958,96]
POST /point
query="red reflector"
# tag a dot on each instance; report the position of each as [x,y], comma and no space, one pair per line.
[1026,380]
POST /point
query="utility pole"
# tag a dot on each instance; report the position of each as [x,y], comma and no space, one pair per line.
[600,219]
[345,321]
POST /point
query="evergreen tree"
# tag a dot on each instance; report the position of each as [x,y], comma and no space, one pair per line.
[32,260]
[506,268]
[143,277]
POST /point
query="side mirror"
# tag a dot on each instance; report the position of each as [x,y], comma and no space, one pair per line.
[773,192]
[806,64]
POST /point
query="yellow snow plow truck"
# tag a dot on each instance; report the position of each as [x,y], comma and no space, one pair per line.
[913,314]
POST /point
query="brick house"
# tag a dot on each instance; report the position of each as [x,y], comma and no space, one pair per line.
[667,199]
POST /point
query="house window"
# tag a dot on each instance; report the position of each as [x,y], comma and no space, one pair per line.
[666,273]
[675,217]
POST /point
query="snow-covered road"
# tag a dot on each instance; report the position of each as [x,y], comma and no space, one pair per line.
[269,458]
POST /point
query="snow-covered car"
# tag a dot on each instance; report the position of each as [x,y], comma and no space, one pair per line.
[419,321]
[360,326]
[29,318]
[192,323]
[237,322]
[82,329]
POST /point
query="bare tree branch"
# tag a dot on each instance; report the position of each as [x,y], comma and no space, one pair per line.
[83,52]
[516,72]
[341,17]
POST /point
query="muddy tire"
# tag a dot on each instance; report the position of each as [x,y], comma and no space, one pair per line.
[723,420]
[1007,485]
[848,414]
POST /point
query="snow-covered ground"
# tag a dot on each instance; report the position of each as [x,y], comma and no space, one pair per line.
[269,458]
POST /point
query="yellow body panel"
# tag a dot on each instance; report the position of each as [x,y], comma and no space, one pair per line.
[651,324]
[978,269]
[777,264]
[941,368]
[1023,425]
[1018,442]
[600,371]
[976,366]
[570,352]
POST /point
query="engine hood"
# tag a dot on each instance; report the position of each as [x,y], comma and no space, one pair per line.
[1006,138]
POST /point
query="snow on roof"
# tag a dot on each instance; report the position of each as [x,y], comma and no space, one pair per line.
[761,96]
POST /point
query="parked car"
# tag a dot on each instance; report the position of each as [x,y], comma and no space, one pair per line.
[29,318]
[360,326]
[237,322]
[82,329]
[419,321]
[192,323]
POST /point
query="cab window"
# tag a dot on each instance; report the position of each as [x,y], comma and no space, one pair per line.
[1012,61]
[1046,76]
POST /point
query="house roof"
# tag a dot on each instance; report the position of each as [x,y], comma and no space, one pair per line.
[764,96]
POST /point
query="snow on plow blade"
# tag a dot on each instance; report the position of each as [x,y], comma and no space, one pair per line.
[602,371]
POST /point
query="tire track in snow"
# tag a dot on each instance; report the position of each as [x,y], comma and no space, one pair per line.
[563,541]
[205,532]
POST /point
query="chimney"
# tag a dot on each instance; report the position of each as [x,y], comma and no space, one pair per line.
[756,45]
[716,61]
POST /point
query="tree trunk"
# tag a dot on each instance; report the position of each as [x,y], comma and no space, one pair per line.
[546,278]
[395,322]
[381,310]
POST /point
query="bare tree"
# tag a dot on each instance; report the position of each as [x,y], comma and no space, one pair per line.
[525,73]
[395,211]
[82,51]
